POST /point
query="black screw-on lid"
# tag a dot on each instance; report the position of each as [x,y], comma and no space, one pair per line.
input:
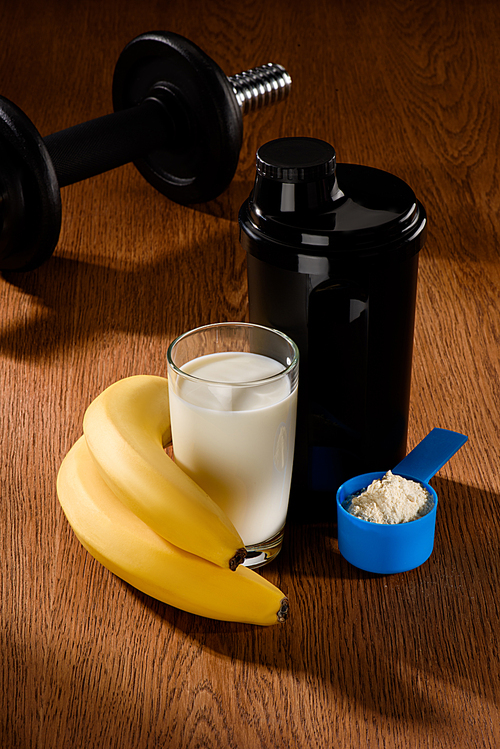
[296,160]
[306,211]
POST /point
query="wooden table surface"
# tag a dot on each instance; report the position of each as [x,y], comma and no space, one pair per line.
[409,660]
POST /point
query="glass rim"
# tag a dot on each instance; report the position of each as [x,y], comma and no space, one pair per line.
[240,383]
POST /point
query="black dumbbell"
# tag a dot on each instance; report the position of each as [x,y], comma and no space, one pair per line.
[177,116]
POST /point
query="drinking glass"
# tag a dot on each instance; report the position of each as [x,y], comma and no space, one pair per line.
[233,403]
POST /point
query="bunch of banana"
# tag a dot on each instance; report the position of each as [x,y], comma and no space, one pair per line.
[144,519]
[126,428]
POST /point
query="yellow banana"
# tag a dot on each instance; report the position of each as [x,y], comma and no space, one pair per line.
[124,544]
[126,428]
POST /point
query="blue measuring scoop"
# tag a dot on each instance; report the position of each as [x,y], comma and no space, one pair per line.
[383,548]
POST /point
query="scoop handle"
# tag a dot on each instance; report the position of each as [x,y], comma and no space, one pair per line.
[431,454]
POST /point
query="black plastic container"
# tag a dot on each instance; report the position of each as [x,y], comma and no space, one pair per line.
[332,255]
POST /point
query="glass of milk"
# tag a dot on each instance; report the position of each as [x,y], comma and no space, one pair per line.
[233,403]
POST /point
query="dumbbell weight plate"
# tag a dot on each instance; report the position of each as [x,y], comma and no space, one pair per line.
[30,200]
[201,154]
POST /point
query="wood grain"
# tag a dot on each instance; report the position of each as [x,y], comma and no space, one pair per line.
[364,661]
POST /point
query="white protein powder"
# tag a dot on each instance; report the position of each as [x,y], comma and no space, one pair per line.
[391,500]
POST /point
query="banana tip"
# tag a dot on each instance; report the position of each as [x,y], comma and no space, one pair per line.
[282,614]
[237,559]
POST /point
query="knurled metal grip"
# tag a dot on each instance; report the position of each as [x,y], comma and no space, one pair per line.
[177,117]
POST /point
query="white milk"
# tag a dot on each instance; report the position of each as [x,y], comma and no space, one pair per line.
[237,442]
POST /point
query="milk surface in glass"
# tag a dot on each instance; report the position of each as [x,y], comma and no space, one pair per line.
[237,442]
